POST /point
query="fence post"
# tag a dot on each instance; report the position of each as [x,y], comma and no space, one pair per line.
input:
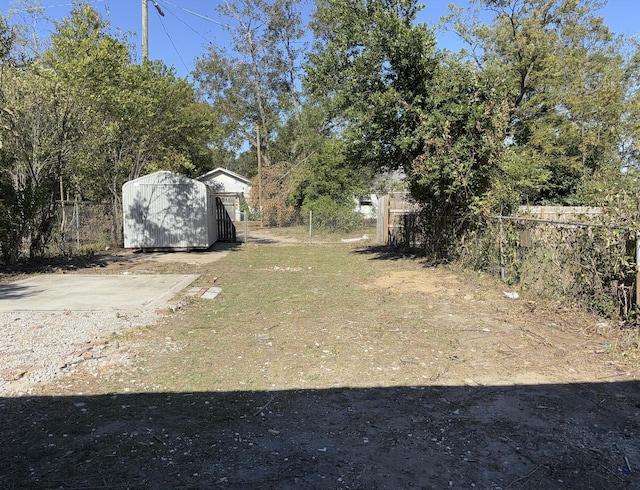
[246,227]
[77,211]
[380,221]
[637,269]
[310,224]
[501,251]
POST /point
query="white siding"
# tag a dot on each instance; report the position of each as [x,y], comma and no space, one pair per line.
[225,181]
[166,210]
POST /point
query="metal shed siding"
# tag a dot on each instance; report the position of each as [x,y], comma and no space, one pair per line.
[166,210]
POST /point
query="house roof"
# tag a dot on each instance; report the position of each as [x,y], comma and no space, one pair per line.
[212,174]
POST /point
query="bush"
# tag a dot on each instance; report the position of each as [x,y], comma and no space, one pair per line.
[330,216]
[591,266]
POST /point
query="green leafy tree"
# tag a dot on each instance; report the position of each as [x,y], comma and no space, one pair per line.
[39,131]
[255,87]
[399,103]
[39,134]
[138,118]
[567,80]
[372,67]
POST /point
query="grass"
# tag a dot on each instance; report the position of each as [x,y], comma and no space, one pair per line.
[288,316]
[332,366]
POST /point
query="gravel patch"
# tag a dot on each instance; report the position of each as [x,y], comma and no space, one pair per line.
[37,347]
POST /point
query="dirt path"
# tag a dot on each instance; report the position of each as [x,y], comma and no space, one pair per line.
[339,366]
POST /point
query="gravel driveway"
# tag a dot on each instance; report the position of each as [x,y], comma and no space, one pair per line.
[36,347]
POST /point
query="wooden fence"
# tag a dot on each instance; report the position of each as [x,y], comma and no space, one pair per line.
[226,228]
[575,251]
[393,213]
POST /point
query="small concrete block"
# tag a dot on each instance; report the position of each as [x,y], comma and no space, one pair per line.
[194,291]
[211,293]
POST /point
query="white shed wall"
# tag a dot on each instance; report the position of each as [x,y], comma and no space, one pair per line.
[166,210]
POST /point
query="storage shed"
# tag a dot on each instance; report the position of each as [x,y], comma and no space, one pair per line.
[167,210]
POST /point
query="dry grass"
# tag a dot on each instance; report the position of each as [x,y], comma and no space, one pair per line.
[338,366]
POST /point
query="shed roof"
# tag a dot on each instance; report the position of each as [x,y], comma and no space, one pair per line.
[163,177]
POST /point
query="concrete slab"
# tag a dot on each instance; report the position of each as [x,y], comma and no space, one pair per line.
[211,293]
[195,257]
[80,292]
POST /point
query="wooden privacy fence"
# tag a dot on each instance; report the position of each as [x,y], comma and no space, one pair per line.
[396,219]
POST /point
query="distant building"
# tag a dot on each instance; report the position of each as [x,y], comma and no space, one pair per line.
[231,187]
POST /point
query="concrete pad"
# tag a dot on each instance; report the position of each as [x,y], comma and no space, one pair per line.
[211,293]
[195,257]
[80,292]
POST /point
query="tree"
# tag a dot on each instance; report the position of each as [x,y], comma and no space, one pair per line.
[38,133]
[138,118]
[399,103]
[255,88]
[567,82]
[372,67]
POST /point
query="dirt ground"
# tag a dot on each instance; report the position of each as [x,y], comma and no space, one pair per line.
[370,371]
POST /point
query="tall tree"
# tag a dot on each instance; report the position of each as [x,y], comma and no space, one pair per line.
[138,118]
[255,87]
[373,66]
[39,131]
[399,103]
[567,81]
[255,83]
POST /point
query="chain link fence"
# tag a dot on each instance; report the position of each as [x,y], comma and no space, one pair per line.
[80,226]
[590,263]
[578,255]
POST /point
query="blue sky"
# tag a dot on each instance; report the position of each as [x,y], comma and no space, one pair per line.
[188,26]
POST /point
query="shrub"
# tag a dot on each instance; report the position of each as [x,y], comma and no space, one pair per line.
[328,215]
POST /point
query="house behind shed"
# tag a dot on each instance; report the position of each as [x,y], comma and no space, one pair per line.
[166,210]
[232,188]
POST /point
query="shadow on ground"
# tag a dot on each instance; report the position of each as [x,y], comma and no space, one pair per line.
[384,252]
[90,262]
[96,261]
[523,436]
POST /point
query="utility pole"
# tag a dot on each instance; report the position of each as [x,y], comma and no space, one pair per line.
[259,173]
[145,30]
[145,26]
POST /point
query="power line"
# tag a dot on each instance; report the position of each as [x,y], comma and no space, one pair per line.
[196,14]
[44,7]
[160,15]
[188,26]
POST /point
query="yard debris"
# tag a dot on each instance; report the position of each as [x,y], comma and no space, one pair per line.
[359,239]
[264,406]
[14,374]
[511,295]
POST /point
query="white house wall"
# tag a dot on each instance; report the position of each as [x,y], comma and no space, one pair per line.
[222,181]
[368,210]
